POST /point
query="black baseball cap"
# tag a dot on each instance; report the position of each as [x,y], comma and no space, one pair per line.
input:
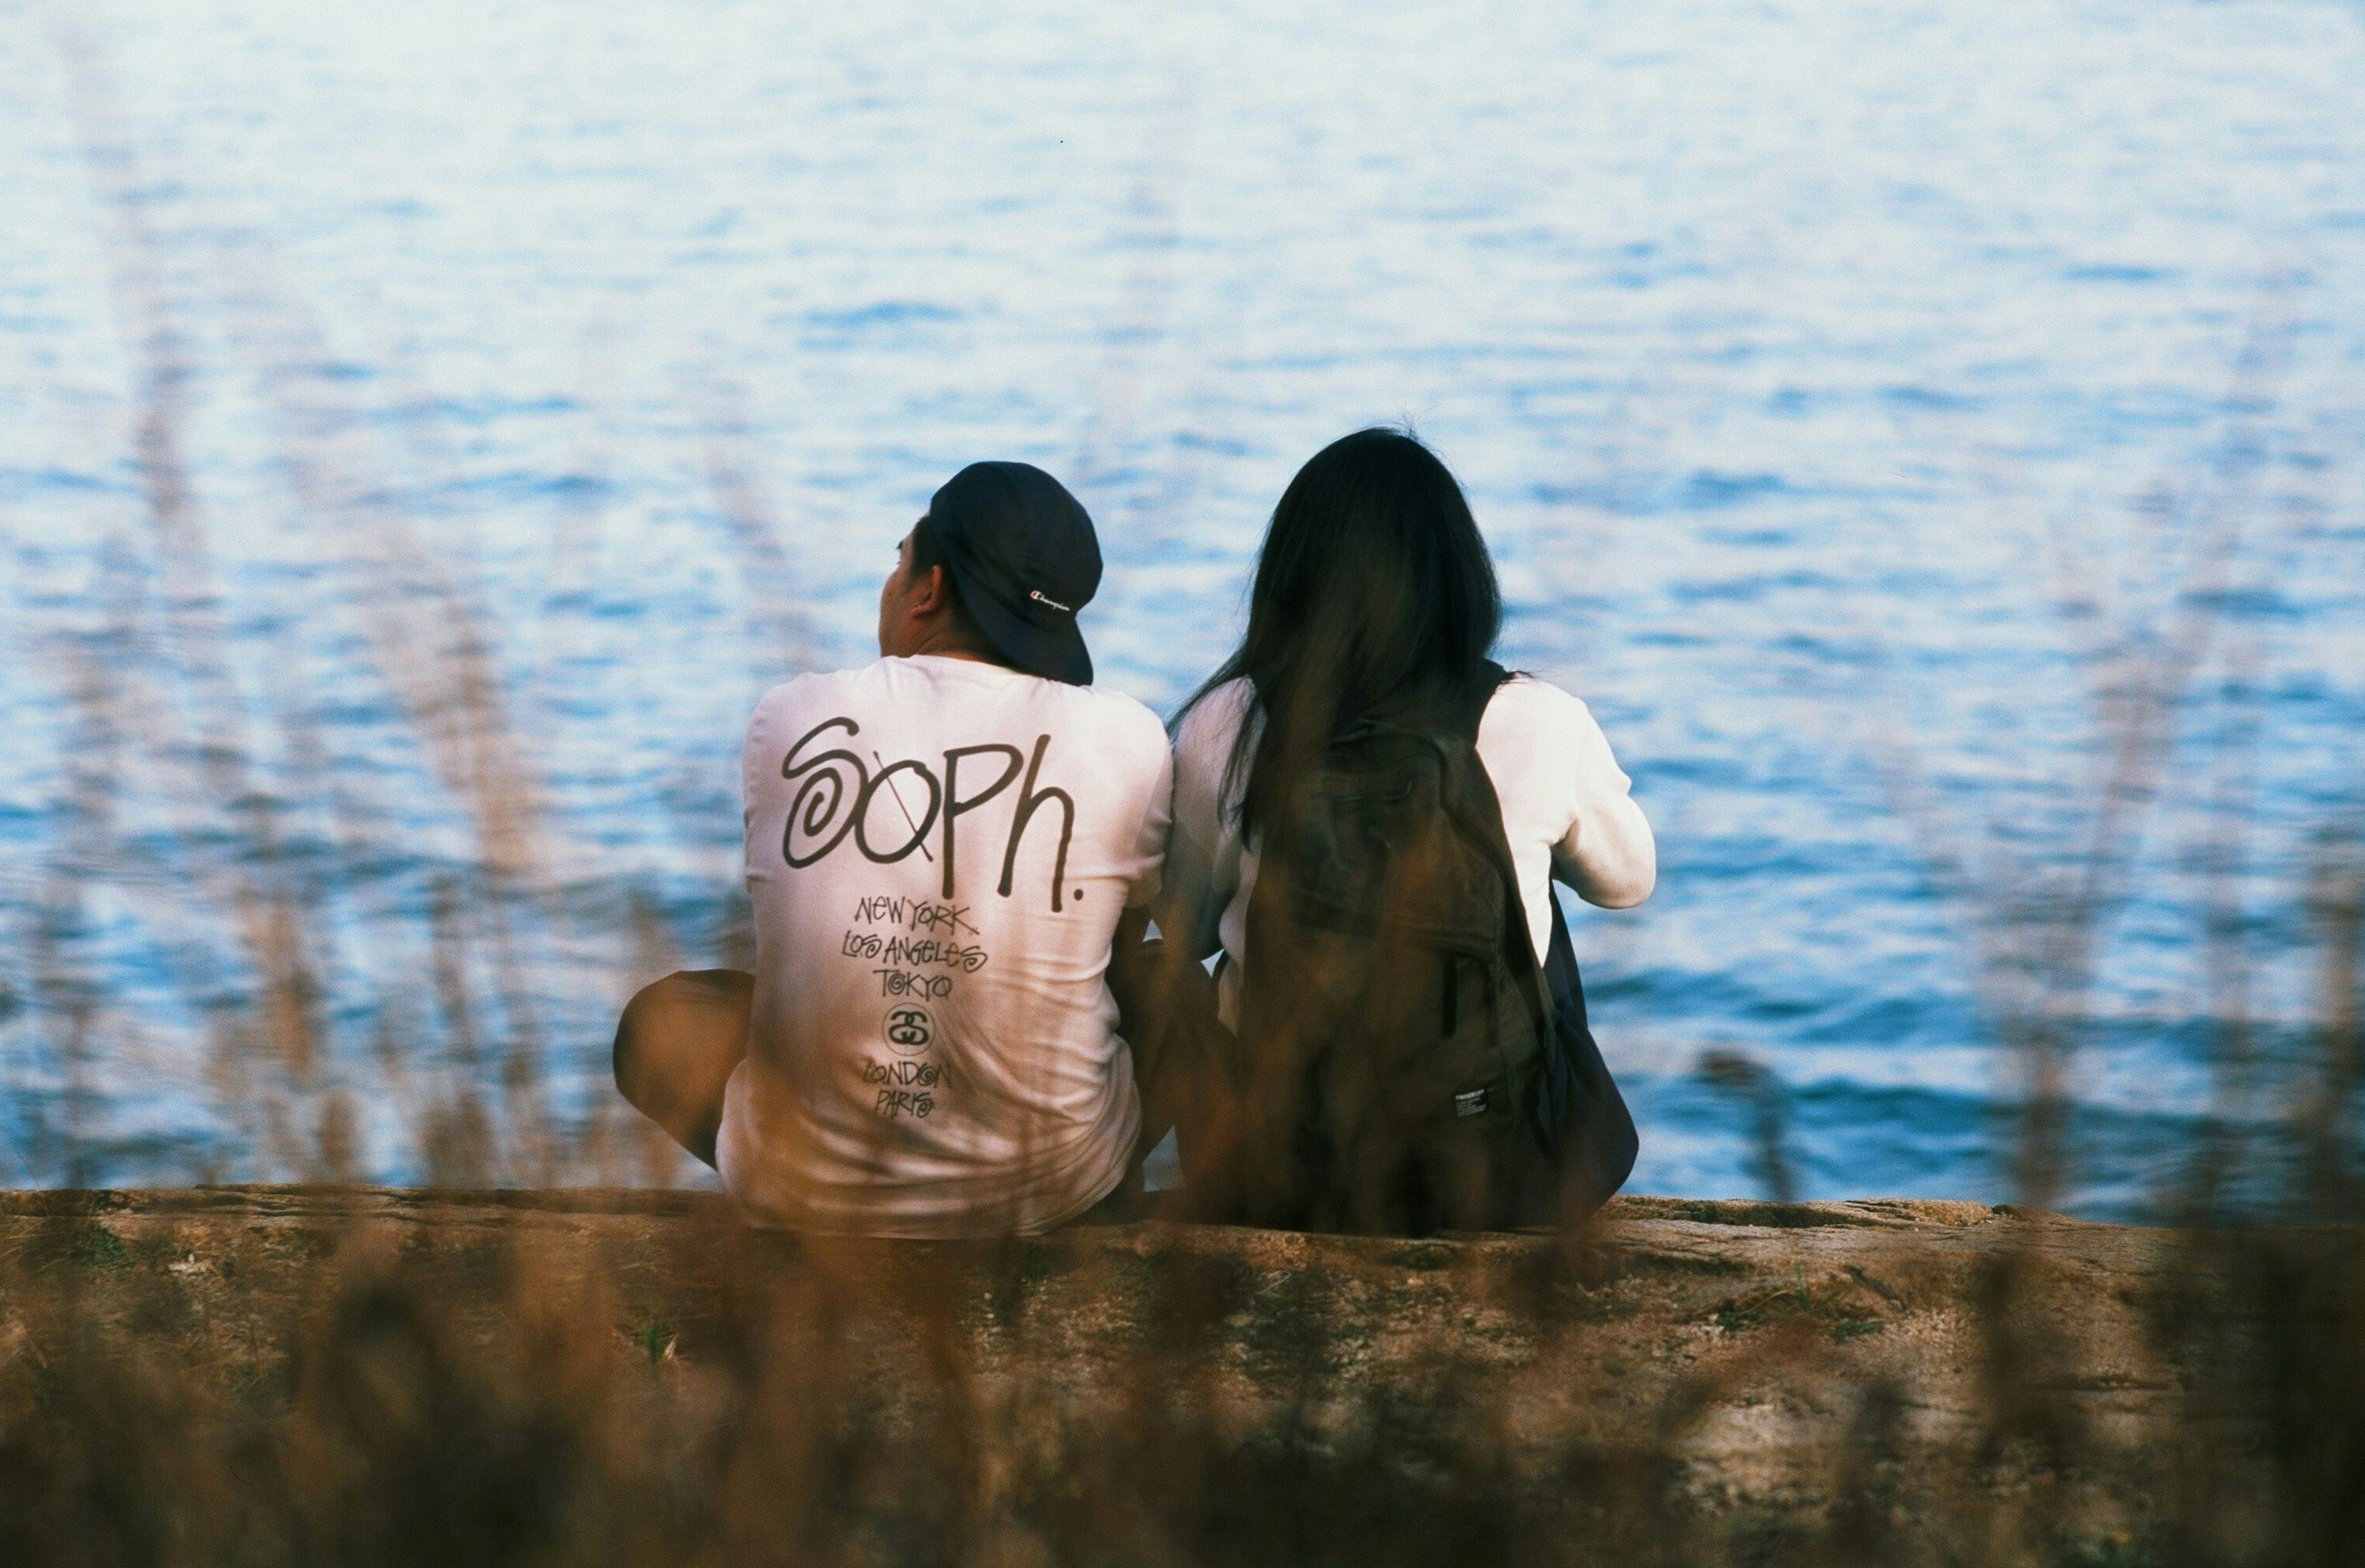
[1022,553]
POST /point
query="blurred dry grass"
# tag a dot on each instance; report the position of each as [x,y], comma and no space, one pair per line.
[266,861]
[403,1433]
[380,1397]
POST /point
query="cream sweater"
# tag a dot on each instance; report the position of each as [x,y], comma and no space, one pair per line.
[1567,813]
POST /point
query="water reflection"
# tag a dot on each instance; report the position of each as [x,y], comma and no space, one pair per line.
[416,464]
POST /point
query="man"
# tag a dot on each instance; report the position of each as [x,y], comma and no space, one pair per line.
[942,848]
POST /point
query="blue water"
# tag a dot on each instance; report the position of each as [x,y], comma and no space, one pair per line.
[1844,387]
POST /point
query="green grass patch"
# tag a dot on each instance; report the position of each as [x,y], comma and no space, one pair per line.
[96,1247]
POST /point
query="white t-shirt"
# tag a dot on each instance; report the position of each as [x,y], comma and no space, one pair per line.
[938,851]
[1566,811]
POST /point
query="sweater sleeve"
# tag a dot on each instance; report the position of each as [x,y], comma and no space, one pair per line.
[1566,800]
[1203,856]
[1608,854]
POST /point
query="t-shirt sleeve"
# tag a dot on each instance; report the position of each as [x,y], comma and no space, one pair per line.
[757,758]
[1156,826]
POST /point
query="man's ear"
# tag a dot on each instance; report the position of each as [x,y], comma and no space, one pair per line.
[927,594]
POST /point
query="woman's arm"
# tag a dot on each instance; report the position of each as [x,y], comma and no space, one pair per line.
[1203,866]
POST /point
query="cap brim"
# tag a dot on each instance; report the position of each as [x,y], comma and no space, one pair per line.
[1056,652]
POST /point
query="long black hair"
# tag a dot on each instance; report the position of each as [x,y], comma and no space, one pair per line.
[1374,597]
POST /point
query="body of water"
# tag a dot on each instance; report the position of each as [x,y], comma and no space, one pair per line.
[425,429]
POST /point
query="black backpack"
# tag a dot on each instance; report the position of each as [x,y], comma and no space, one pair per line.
[1405,1065]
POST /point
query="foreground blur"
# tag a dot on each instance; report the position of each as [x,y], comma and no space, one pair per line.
[353,1375]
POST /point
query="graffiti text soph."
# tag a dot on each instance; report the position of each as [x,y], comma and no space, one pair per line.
[837,798]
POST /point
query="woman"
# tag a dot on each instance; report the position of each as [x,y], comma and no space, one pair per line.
[1373,612]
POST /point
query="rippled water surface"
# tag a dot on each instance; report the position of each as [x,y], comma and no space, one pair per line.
[425,429]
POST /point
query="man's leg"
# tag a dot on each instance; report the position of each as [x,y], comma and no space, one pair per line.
[675,1047]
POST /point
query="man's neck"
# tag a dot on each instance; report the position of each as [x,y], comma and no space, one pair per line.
[948,645]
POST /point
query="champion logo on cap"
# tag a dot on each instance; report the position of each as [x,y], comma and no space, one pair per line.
[1039,597]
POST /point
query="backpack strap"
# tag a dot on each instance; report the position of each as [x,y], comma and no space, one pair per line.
[1581,1115]
[1527,963]
[1594,1141]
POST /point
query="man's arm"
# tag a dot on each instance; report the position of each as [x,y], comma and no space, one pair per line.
[1133,974]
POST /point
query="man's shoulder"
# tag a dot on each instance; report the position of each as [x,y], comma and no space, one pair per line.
[786,696]
[855,692]
[1128,720]
[1115,721]
[1116,736]
[816,683]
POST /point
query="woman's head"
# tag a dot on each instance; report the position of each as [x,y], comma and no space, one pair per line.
[1373,595]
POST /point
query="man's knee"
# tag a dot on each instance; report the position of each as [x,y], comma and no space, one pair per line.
[679,1023]
[640,1029]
